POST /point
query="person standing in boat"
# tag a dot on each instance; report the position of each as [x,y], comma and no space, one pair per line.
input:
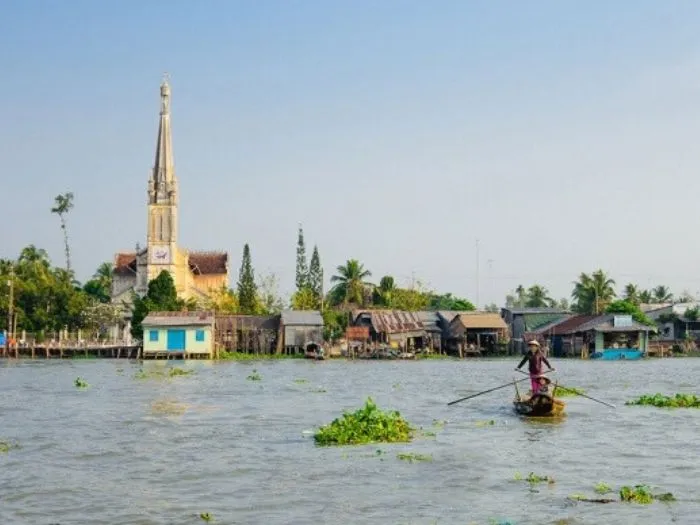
[536,358]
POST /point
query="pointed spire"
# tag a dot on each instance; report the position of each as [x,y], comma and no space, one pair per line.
[162,187]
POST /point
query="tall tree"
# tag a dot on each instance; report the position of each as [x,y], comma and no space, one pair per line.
[270,301]
[247,289]
[593,292]
[662,294]
[646,297]
[383,294]
[302,269]
[315,279]
[631,293]
[100,286]
[350,283]
[305,299]
[161,297]
[63,205]
[537,296]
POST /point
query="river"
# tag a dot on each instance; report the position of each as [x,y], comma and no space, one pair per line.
[155,450]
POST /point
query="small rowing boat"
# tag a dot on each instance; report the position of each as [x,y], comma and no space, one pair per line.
[541,404]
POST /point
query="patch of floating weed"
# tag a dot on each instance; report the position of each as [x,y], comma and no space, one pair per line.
[366,425]
[206,516]
[533,478]
[584,498]
[80,383]
[240,356]
[254,376]
[162,373]
[301,381]
[560,391]
[179,372]
[666,497]
[662,401]
[439,423]
[412,457]
[6,446]
[487,423]
[639,494]
[602,488]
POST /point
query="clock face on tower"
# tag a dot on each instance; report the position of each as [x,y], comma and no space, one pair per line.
[160,255]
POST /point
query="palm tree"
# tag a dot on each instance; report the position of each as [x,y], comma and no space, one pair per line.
[661,294]
[521,295]
[593,293]
[537,296]
[632,293]
[351,284]
[384,292]
[64,204]
[645,297]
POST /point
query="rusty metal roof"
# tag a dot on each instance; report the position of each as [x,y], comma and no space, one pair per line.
[392,321]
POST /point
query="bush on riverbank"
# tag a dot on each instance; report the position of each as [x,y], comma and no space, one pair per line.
[367,425]
[662,401]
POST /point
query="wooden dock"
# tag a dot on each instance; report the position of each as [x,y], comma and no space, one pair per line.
[115,351]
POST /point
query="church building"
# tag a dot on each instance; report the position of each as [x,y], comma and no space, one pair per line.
[196,274]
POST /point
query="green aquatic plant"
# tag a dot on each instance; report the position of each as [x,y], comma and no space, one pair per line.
[206,516]
[80,383]
[368,424]
[486,423]
[568,392]
[301,381]
[6,446]
[666,497]
[518,476]
[179,372]
[412,457]
[254,376]
[639,494]
[662,401]
[583,497]
[162,373]
[242,356]
[534,478]
[602,488]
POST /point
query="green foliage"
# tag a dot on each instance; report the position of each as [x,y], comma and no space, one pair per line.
[351,284]
[366,425]
[240,356]
[334,324]
[269,300]
[206,516]
[247,289]
[537,296]
[254,376]
[315,279]
[63,205]
[639,494]
[602,488]
[413,457]
[626,307]
[448,302]
[302,274]
[692,314]
[80,383]
[409,300]
[593,292]
[662,401]
[305,299]
[6,446]
[161,297]
[560,391]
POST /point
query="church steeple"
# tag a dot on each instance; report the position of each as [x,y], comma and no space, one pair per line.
[162,186]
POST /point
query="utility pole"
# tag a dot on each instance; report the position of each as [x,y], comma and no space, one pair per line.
[490,263]
[10,307]
[477,275]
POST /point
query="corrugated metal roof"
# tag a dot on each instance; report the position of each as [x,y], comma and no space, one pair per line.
[391,321]
[302,318]
[449,315]
[538,320]
[572,324]
[525,311]
[178,319]
[430,320]
[481,320]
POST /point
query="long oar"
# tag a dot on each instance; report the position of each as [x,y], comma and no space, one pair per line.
[579,393]
[486,391]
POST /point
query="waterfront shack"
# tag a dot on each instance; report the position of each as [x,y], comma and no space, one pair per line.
[475,333]
[302,330]
[395,328]
[522,321]
[252,334]
[179,335]
[562,337]
[676,322]
[431,321]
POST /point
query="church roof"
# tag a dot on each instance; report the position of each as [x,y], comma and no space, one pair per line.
[209,263]
[125,263]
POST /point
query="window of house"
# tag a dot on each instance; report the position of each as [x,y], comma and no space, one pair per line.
[153,336]
[199,335]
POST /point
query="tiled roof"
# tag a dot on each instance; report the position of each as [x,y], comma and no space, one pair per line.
[208,263]
[125,263]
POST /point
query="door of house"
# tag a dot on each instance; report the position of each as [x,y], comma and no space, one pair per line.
[176,340]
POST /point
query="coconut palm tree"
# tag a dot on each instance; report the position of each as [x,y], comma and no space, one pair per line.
[64,204]
[646,297]
[661,294]
[537,296]
[631,293]
[593,292]
[383,294]
[350,283]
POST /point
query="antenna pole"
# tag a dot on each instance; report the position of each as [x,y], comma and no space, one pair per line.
[477,275]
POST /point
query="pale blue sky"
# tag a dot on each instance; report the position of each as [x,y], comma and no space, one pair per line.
[563,135]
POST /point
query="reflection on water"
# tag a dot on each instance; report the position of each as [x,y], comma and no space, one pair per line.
[161,450]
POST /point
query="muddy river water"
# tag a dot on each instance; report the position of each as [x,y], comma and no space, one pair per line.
[161,450]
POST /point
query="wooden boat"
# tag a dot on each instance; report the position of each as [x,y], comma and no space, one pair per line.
[542,404]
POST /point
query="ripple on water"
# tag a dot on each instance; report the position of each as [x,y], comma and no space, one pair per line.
[129,451]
